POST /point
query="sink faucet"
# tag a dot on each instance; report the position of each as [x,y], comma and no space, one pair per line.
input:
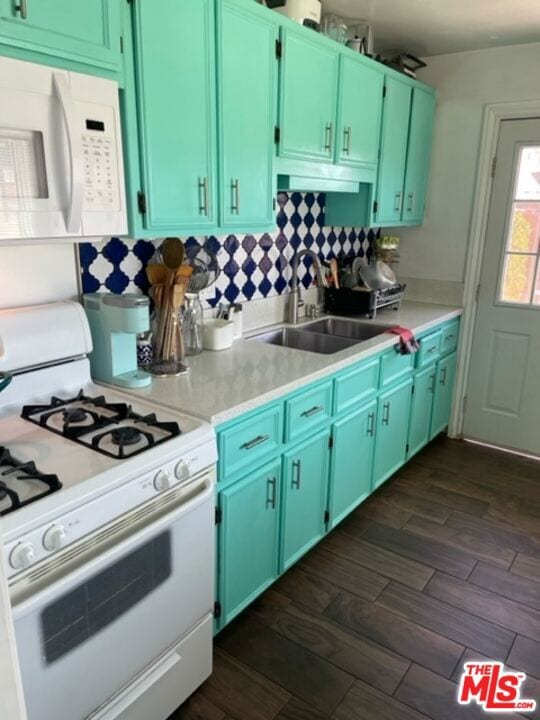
[295,296]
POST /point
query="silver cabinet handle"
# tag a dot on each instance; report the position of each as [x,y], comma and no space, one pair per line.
[203,196]
[271,484]
[444,370]
[371,425]
[347,140]
[235,191]
[329,135]
[259,440]
[410,204]
[450,336]
[433,348]
[313,411]
[297,465]
[386,414]
[397,204]
[21,8]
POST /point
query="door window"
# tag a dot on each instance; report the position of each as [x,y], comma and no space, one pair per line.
[520,283]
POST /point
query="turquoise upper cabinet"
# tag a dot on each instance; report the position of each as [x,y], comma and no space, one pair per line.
[308,96]
[247,91]
[392,431]
[360,105]
[305,488]
[395,126]
[444,390]
[175,69]
[249,538]
[351,462]
[422,404]
[418,155]
[83,31]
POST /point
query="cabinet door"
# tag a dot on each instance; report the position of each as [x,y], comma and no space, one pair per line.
[392,431]
[395,127]
[175,66]
[248,539]
[444,393]
[361,100]
[308,97]
[418,155]
[351,462]
[248,101]
[85,31]
[305,486]
[421,407]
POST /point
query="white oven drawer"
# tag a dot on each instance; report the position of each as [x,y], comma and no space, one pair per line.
[88,630]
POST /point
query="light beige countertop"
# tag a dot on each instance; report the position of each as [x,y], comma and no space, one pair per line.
[222,385]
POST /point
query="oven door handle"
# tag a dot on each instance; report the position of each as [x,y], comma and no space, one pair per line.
[93,561]
[69,113]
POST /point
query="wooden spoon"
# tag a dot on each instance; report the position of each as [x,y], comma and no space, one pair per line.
[334,271]
[173,256]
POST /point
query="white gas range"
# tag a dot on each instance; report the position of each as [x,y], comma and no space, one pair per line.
[107,511]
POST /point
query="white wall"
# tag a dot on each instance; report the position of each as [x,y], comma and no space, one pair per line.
[37,274]
[465,83]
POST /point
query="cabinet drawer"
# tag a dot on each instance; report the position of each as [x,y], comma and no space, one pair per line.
[395,366]
[356,385]
[450,336]
[250,442]
[430,349]
[308,411]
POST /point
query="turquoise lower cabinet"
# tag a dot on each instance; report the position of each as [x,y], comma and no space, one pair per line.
[392,431]
[351,463]
[305,491]
[83,31]
[421,408]
[444,391]
[248,539]
[247,93]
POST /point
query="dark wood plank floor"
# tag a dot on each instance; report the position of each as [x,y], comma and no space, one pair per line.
[440,566]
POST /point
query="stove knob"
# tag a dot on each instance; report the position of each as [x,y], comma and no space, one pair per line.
[55,538]
[162,481]
[182,471]
[22,556]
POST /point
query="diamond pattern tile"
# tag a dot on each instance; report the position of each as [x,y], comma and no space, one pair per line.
[252,266]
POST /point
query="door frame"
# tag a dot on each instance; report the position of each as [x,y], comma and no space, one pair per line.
[494,114]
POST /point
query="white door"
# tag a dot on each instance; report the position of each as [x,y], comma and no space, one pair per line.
[503,395]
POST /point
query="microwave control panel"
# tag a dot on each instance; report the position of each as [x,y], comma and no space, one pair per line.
[100,169]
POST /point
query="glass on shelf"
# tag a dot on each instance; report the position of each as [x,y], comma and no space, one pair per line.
[335,28]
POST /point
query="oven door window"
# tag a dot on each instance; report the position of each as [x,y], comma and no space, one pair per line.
[83,612]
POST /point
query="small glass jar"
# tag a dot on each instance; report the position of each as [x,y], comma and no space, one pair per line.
[192,324]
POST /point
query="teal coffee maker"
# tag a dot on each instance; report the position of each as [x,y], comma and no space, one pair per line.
[115,321]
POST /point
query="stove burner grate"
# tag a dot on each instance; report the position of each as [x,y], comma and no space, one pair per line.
[25,471]
[105,416]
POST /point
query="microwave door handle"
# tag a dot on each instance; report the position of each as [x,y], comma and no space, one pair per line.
[69,113]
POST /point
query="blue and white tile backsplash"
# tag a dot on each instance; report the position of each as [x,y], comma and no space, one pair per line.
[252,266]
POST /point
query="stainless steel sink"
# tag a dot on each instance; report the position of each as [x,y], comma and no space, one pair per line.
[307,341]
[340,327]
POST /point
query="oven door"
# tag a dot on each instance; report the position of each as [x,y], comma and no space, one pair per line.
[105,610]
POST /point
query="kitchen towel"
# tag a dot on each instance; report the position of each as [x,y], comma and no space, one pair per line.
[408,343]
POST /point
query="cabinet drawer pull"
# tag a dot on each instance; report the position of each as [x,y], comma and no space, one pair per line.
[433,348]
[451,336]
[313,411]
[21,8]
[297,465]
[397,204]
[329,133]
[347,140]
[371,425]
[386,414]
[443,375]
[235,202]
[271,485]
[410,204]
[259,440]
[203,196]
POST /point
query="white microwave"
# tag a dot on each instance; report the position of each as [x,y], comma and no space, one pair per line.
[61,164]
